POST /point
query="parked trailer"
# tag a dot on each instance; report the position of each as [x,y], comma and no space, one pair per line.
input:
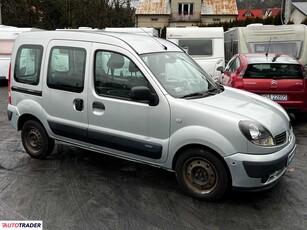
[8,34]
[136,30]
[258,38]
[204,44]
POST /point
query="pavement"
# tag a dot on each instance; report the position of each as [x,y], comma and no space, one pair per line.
[76,189]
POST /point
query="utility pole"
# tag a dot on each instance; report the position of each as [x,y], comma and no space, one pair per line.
[0,13]
[287,11]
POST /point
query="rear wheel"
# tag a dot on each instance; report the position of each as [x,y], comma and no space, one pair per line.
[202,175]
[35,140]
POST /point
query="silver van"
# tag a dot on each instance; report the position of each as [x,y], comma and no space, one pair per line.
[144,99]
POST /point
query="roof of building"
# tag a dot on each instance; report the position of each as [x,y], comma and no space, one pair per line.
[209,7]
[301,6]
[153,7]
[219,7]
[243,14]
[272,12]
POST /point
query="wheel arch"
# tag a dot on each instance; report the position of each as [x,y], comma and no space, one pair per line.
[26,117]
[193,146]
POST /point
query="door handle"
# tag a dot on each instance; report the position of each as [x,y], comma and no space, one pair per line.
[78,104]
[98,108]
[98,105]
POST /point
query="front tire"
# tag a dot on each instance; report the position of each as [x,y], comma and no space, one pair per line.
[35,140]
[201,174]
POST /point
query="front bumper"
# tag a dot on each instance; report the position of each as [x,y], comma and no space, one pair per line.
[259,172]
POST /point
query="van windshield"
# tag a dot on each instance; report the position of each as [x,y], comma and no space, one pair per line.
[180,76]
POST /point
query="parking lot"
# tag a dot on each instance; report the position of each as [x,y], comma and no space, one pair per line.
[78,189]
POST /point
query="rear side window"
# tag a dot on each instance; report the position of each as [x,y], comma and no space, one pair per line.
[28,64]
[66,69]
[197,47]
[276,71]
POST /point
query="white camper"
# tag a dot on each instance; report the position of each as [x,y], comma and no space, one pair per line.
[8,34]
[258,38]
[204,44]
[136,30]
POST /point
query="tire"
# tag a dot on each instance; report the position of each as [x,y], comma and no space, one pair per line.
[299,116]
[35,140]
[202,175]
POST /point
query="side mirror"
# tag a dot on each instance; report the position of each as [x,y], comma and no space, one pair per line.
[142,93]
[220,68]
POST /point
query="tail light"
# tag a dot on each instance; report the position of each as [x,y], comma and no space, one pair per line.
[9,85]
[305,71]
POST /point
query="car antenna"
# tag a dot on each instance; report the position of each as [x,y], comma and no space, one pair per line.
[164,47]
[267,52]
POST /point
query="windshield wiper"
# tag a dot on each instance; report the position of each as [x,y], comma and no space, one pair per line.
[199,94]
[214,91]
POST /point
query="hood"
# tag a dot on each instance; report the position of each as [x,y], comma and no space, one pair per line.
[243,105]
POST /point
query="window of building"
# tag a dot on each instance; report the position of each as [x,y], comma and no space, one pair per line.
[28,64]
[185,8]
[154,19]
[248,14]
[66,69]
[216,19]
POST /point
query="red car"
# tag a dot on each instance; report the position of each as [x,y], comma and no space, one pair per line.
[279,77]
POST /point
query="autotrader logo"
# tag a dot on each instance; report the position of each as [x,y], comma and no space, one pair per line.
[18,225]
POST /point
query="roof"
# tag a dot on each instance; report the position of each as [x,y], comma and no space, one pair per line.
[153,7]
[272,12]
[254,58]
[139,43]
[243,14]
[301,6]
[219,7]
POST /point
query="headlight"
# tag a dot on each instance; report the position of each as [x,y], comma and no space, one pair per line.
[256,133]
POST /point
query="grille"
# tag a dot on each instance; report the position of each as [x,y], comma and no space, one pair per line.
[281,138]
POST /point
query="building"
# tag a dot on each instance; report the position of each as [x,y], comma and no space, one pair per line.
[180,13]
[271,12]
[298,12]
[244,14]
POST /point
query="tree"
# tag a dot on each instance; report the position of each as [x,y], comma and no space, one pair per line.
[52,14]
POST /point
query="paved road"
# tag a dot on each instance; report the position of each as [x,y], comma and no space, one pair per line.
[79,190]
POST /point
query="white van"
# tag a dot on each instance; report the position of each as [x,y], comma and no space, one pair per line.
[136,30]
[8,34]
[144,99]
[204,44]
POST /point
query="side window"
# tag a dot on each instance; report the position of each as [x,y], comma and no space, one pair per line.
[66,69]
[197,47]
[229,64]
[116,74]
[28,64]
[234,65]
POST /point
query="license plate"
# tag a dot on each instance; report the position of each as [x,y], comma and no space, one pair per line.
[276,97]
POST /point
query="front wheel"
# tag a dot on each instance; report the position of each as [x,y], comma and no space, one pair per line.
[35,140]
[202,175]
